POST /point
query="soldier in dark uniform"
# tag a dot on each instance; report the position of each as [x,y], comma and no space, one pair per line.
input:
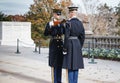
[74,39]
[53,29]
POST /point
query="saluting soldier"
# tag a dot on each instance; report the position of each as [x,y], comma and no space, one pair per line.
[74,39]
[53,29]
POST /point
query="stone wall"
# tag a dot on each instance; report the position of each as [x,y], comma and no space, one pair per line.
[0,32]
[11,31]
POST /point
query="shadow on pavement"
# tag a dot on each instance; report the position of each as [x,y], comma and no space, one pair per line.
[18,75]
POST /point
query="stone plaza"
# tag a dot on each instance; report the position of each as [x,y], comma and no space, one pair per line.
[32,67]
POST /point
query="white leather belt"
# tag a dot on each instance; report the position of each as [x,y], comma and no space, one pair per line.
[71,37]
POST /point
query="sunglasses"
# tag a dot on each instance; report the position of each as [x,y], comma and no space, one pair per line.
[58,14]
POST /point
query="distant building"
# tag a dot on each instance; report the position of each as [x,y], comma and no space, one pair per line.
[11,31]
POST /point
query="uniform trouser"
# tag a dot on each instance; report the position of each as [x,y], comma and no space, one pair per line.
[72,76]
[57,75]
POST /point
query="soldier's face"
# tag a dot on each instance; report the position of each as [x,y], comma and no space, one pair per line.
[56,16]
[72,13]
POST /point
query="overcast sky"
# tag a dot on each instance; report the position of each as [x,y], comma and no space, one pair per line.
[15,6]
[22,6]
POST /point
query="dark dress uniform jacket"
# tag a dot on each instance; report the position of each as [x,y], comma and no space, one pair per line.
[74,39]
[55,45]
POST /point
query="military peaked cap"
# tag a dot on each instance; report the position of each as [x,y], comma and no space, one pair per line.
[72,8]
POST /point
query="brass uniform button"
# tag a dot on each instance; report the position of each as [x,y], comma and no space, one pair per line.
[58,46]
[57,40]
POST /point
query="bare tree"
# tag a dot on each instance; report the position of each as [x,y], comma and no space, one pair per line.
[91,10]
[101,17]
[107,20]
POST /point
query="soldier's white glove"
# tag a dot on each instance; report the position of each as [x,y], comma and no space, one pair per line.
[64,53]
[51,23]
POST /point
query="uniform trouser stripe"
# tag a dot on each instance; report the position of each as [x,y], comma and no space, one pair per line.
[66,75]
[52,74]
